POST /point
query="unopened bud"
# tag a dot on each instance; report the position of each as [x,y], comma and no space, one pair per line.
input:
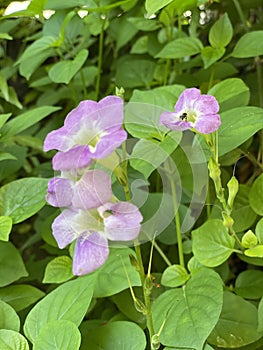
[139,306]
[148,285]
[120,92]
[155,343]
[232,186]
[215,174]
[227,220]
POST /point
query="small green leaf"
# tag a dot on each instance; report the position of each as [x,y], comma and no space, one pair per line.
[153,6]
[249,45]
[174,276]
[64,71]
[249,284]
[5,36]
[22,198]
[3,119]
[212,245]
[58,270]
[256,252]
[260,316]
[58,334]
[210,55]
[221,32]
[10,257]
[4,87]
[8,317]
[256,195]
[6,156]
[249,240]
[5,227]
[180,48]
[11,340]
[259,230]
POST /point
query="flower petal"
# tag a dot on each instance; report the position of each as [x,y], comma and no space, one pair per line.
[124,222]
[108,143]
[206,104]
[90,253]
[207,123]
[173,122]
[59,192]
[77,157]
[186,99]
[59,139]
[92,190]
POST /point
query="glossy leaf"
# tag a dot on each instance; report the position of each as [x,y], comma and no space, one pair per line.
[58,270]
[11,340]
[249,45]
[8,317]
[210,55]
[182,47]
[174,276]
[256,195]
[5,227]
[249,284]
[221,32]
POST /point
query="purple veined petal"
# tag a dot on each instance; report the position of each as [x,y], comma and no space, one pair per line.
[92,190]
[59,192]
[122,222]
[91,252]
[186,99]
[68,226]
[206,124]
[59,139]
[108,143]
[75,119]
[206,104]
[76,157]
[110,113]
[171,121]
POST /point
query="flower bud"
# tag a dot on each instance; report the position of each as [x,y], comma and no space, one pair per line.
[215,174]
[148,285]
[227,220]
[139,306]
[155,343]
[232,186]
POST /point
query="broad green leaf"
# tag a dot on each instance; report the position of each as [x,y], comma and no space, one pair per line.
[230,93]
[256,195]
[8,317]
[58,270]
[117,335]
[36,48]
[249,284]
[256,252]
[12,266]
[259,230]
[69,301]
[238,125]
[180,48]
[221,32]
[22,198]
[5,36]
[123,36]
[249,240]
[64,71]
[112,277]
[5,227]
[192,310]
[260,316]
[153,6]
[20,296]
[174,276]
[58,334]
[12,98]
[143,112]
[25,120]
[90,5]
[3,119]
[6,156]
[210,55]
[212,245]
[249,45]
[11,340]
[237,325]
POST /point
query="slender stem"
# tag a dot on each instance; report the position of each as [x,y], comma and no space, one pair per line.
[101,39]
[159,250]
[208,202]
[252,158]
[241,15]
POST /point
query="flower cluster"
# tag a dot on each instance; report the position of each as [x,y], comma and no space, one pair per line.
[91,215]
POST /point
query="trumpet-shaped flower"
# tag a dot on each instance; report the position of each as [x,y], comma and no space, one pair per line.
[193,110]
[92,229]
[92,130]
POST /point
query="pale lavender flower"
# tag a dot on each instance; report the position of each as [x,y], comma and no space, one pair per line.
[92,130]
[92,229]
[193,110]
[90,190]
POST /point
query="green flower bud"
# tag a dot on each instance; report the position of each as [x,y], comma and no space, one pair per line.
[227,220]
[120,92]
[232,186]
[148,285]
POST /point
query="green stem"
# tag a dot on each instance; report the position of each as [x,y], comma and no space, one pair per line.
[101,39]
[85,93]
[159,250]
[240,13]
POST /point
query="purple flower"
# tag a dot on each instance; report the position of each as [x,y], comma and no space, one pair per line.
[91,130]
[92,229]
[193,110]
[91,190]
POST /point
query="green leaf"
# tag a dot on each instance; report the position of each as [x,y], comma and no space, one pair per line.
[260,316]
[11,340]
[174,276]
[4,87]
[192,310]
[249,240]
[238,125]
[64,71]
[237,325]
[212,245]
[256,252]
[58,270]
[112,277]
[20,296]
[221,32]
[25,120]
[5,227]
[230,93]
[69,301]
[3,119]
[144,24]
[259,230]
[249,284]
[117,335]
[180,48]
[8,317]
[249,45]
[10,257]
[22,198]
[59,334]
[256,195]
[153,6]
[5,36]
[210,55]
